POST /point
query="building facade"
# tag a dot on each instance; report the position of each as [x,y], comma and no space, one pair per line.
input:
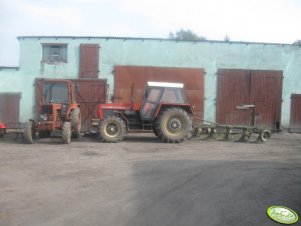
[68,57]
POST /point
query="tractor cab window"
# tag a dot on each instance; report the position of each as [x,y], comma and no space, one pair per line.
[153,95]
[55,93]
[173,96]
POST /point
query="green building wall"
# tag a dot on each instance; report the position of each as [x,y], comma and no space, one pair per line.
[210,55]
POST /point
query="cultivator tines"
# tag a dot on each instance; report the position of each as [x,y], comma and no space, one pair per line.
[228,132]
[203,132]
[221,133]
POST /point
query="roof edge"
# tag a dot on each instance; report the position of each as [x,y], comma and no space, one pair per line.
[151,39]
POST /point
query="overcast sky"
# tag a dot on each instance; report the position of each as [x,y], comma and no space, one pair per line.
[254,20]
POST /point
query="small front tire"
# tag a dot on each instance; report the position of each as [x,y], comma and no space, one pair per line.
[66,132]
[112,129]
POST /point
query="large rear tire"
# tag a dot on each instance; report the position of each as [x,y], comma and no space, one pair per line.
[173,125]
[66,132]
[75,118]
[29,132]
[112,129]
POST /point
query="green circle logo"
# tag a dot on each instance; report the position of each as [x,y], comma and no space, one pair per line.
[282,214]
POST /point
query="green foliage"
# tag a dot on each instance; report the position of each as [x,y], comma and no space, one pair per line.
[297,43]
[185,35]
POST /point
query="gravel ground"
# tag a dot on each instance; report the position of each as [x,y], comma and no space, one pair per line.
[141,181]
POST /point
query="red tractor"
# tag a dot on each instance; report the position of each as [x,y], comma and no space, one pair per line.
[164,110]
[58,112]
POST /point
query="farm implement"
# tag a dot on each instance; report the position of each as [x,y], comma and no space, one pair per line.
[165,111]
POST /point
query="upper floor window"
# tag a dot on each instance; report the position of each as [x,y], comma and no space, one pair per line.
[54,53]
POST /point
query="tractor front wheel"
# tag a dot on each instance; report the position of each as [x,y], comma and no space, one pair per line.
[112,129]
[66,132]
[173,125]
[75,118]
[29,132]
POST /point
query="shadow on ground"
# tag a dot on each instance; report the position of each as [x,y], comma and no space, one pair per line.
[212,193]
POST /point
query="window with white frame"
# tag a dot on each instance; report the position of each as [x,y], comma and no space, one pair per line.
[54,53]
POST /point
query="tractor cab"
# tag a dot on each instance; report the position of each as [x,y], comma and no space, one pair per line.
[58,111]
[57,92]
[157,93]
[58,95]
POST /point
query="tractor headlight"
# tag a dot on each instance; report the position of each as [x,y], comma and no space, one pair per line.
[43,117]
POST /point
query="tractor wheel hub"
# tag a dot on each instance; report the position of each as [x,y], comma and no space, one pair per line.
[175,125]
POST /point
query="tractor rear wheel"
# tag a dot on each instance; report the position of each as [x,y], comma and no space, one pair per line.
[29,132]
[66,132]
[173,125]
[112,129]
[75,118]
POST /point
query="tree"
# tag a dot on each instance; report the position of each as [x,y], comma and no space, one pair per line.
[185,35]
[297,43]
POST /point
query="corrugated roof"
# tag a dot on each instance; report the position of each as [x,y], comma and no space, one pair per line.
[151,39]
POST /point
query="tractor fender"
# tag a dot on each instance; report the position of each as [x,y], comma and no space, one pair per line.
[111,108]
[162,106]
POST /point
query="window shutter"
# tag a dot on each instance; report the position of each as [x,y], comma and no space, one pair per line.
[46,53]
[63,53]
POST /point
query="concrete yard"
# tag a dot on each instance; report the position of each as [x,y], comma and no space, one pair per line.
[141,181]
